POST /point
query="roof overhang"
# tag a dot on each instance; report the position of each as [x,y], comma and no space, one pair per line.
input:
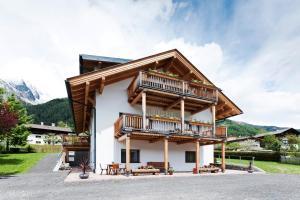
[81,89]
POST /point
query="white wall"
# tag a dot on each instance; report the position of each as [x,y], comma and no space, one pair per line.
[108,106]
[32,139]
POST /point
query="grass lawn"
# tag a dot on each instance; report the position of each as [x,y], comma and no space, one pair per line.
[268,166]
[18,163]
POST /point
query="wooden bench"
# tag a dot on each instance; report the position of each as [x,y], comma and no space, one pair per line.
[136,172]
[209,169]
[158,165]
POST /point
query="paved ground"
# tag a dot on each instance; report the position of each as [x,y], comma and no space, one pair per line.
[42,183]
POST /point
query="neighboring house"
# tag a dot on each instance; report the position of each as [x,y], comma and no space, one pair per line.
[160,108]
[42,134]
[281,134]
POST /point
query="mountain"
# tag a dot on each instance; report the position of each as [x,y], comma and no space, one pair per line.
[51,112]
[24,91]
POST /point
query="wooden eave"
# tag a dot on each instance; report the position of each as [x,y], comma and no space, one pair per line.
[76,85]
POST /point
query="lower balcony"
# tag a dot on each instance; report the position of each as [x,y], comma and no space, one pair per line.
[127,123]
[74,142]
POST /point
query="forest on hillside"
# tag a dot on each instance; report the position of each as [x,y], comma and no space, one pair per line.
[59,110]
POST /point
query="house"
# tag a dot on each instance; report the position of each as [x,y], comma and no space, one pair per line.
[159,108]
[43,134]
[281,134]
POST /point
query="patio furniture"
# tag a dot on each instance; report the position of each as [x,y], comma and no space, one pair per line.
[211,169]
[103,169]
[158,165]
[113,169]
[136,172]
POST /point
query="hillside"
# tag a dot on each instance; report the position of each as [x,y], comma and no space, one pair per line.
[51,112]
[59,110]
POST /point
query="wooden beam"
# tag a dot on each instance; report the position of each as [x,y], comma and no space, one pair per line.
[197,156]
[92,101]
[213,113]
[144,109]
[173,104]
[170,64]
[101,85]
[223,165]
[122,138]
[185,141]
[178,70]
[225,112]
[137,98]
[155,140]
[166,155]
[127,154]
[187,75]
[182,114]
[87,88]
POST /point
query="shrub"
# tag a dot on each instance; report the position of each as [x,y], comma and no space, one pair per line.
[270,142]
[29,149]
[14,149]
[259,155]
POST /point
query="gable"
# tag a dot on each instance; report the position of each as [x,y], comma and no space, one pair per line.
[81,89]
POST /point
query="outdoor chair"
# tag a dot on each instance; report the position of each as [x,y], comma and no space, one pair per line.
[103,169]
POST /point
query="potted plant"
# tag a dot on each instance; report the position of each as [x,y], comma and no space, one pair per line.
[171,171]
[84,165]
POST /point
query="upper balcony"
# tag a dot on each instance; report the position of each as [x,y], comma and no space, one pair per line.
[127,123]
[76,142]
[170,87]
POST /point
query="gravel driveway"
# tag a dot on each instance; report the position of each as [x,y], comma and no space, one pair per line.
[42,183]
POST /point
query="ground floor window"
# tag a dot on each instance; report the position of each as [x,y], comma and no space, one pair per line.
[134,156]
[190,156]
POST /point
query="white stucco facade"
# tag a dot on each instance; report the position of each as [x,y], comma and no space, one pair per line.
[109,104]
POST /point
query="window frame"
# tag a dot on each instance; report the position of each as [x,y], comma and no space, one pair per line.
[188,158]
[123,156]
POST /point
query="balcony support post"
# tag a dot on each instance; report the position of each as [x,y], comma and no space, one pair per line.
[144,109]
[127,141]
[182,114]
[197,156]
[166,155]
[213,113]
[223,165]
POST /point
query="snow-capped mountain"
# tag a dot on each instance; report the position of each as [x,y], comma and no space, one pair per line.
[23,91]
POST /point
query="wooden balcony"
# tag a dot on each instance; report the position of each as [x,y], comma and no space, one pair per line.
[127,123]
[76,142]
[155,81]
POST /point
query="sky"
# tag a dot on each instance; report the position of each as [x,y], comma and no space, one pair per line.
[250,49]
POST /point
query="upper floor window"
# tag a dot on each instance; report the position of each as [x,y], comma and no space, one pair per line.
[38,136]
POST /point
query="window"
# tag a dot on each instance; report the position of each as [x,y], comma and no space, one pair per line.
[38,142]
[134,156]
[190,156]
[38,136]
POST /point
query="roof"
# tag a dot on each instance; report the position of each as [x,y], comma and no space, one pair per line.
[259,136]
[81,89]
[103,58]
[38,128]
[278,132]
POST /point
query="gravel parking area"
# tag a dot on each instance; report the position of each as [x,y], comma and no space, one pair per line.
[46,184]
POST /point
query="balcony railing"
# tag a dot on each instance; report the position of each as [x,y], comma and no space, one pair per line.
[74,140]
[162,82]
[131,122]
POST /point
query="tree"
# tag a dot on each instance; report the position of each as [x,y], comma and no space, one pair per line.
[19,133]
[271,142]
[293,141]
[8,120]
[13,120]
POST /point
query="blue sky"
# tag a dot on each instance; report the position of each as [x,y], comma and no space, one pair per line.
[250,49]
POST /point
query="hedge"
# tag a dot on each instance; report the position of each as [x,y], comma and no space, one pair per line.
[258,155]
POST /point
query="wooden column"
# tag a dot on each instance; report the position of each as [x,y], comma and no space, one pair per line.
[213,112]
[223,165]
[197,156]
[166,155]
[144,109]
[127,141]
[182,114]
